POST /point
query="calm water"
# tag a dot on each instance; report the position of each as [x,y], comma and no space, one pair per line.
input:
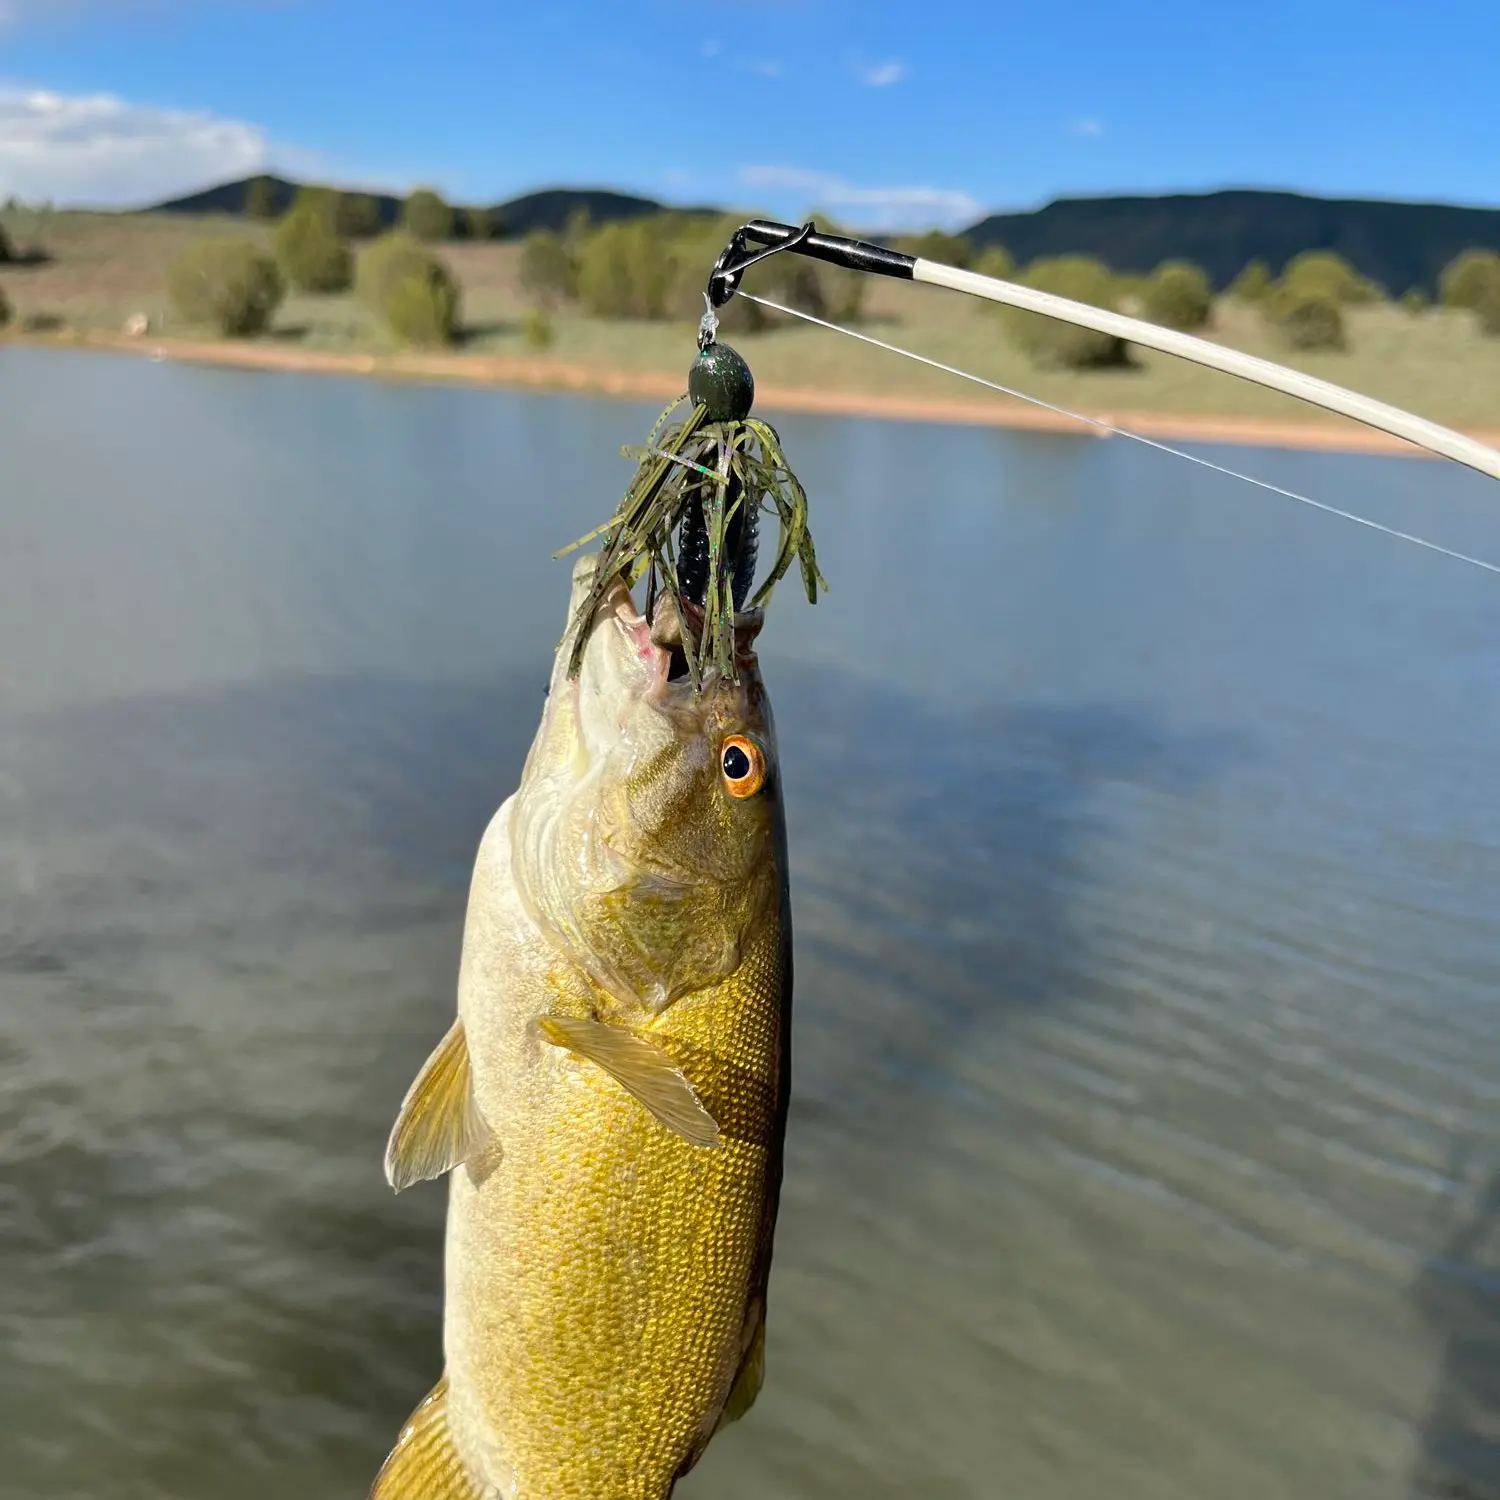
[1145,843]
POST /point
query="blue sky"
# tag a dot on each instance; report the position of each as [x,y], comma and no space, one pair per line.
[885,114]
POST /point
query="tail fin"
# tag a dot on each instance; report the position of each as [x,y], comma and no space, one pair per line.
[424,1464]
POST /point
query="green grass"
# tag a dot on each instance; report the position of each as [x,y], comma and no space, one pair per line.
[106,267]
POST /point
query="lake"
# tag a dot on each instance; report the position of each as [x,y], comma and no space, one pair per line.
[1145,846]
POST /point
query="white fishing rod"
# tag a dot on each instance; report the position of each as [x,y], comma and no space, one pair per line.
[761,238]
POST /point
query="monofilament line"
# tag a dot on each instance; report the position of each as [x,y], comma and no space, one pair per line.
[1135,437]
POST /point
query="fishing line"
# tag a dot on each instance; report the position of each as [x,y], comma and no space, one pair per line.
[1135,437]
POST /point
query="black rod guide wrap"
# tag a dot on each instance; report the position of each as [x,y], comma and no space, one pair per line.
[761,238]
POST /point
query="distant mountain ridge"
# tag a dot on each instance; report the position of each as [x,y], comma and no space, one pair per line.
[548,208]
[1400,245]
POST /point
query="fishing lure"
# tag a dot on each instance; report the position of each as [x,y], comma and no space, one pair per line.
[689,520]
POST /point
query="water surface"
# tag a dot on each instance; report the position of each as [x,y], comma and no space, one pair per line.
[1145,844]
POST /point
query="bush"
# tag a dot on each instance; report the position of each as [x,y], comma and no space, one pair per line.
[1321,272]
[946,249]
[1179,295]
[998,262]
[1253,284]
[426,216]
[229,283]
[1488,312]
[1306,319]
[260,199]
[627,269]
[483,224]
[309,249]
[537,330]
[1415,301]
[549,272]
[1049,341]
[6,253]
[410,288]
[1470,279]
[6,312]
[357,216]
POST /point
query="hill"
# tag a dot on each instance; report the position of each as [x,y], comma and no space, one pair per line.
[549,208]
[1400,245]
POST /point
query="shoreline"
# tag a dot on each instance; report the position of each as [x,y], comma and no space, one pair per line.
[537,372]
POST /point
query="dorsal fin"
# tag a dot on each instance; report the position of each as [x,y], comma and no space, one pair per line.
[424,1465]
[641,1068]
[439,1125]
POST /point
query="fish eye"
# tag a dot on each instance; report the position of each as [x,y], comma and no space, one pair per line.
[743,763]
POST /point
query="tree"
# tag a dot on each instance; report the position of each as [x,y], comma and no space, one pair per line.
[260,199]
[626,269]
[6,253]
[1179,295]
[1415,300]
[1050,341]
[5,309]
[1469,278]
[1253,284]
[309,249]
[357,216]
[231,284]
[427,217]
[410,288]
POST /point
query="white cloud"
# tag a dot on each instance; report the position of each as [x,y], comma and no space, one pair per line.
[869,207]
[767,67]
[1086,127]
[882,75]
[99,149]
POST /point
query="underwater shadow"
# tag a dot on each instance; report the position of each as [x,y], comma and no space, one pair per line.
[1459,1293]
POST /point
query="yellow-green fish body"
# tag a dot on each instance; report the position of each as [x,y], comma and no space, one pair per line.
[615,1087]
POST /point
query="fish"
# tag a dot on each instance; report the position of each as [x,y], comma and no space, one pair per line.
[610,1103]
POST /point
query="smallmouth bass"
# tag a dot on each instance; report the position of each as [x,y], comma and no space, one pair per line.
[611,1101]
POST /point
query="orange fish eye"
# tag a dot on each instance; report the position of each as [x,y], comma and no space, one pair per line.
[743,763]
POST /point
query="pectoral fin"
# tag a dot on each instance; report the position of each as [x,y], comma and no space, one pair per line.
[439,1125]
[424,1465]
[640,1067]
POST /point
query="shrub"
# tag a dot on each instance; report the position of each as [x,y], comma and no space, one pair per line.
[1179,295]
[426,216]
[6,313]
[996,261]
[549,272]
[483,224]
[1049,341]
[1323,272]
[1470,278]
[309,249]
[260,199]
[1306,319]
[229,283]
[357,216]
[410,288]
[537,329]
[6,253]
[1253,284]
[1415,300]
[946,249]
[1488,312]
[627,269]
